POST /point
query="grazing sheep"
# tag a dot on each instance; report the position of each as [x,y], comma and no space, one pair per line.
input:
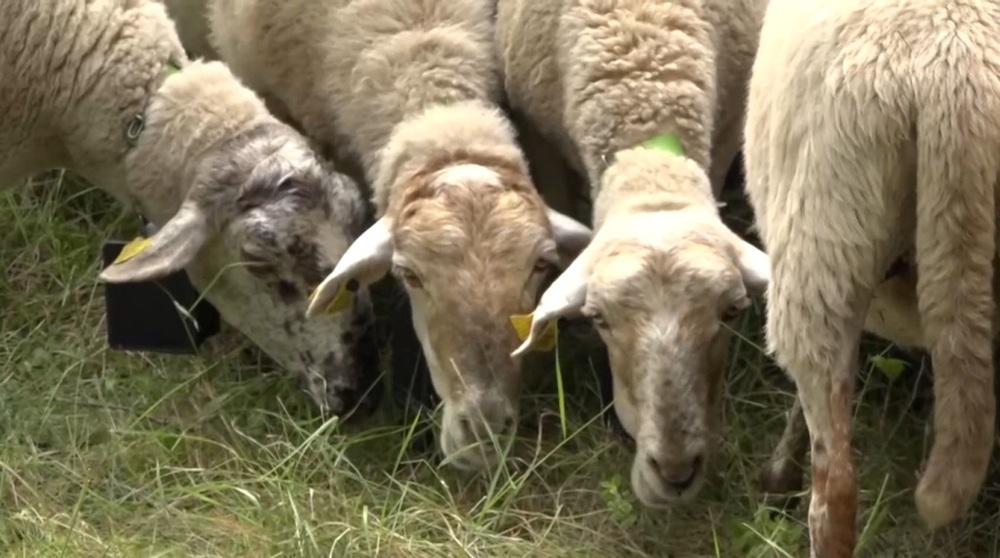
[897,149]
[410,88]
[240,200]
[646,98]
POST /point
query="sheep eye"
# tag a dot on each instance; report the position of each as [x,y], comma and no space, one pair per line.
[735,310]
[731,314]
[543,266]
[598,320]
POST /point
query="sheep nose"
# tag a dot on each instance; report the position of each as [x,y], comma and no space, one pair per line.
[678,474]
[484,418]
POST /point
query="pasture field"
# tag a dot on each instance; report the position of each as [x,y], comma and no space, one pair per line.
[107,454]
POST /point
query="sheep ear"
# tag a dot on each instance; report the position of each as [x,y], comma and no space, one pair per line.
[168,250]
[367,260]
[571,236]
[754,265]
[565,297]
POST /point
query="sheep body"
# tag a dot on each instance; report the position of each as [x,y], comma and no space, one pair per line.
[410,90]
[902,129]
[599,78]
[538,40]
[88,86]
[364,71]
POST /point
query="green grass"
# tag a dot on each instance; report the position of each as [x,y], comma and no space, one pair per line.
[105,453]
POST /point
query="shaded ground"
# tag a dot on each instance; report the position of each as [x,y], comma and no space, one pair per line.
[112,454]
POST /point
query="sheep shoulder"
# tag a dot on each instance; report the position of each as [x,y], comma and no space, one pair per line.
[604,68]
[77,71]
[350,71]
[526,38]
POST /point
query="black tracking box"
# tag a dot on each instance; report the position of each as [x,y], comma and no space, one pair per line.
[156,316]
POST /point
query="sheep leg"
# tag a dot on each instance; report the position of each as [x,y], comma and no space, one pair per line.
[824,268]
[891,315]
[957,173]
[783,473]
[824,375]
[826,405]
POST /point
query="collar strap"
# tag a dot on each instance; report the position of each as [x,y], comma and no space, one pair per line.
[137,123]
[663,142]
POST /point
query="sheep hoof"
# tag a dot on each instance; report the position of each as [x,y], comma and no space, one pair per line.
[781,477]
[941,500]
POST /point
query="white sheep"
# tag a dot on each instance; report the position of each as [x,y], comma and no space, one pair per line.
[240,199]
[873,128]
[410,88]
[647,98]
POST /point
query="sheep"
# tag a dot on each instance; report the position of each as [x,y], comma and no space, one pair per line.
[646,99]
[240,200]
[897,150]
[410,90]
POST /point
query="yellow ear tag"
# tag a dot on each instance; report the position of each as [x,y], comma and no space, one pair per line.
[341,301]
[132,249]
[522,325]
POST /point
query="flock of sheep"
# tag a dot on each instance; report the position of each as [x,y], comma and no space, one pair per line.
[252,133]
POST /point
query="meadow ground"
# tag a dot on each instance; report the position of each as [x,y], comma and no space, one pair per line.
[104,453]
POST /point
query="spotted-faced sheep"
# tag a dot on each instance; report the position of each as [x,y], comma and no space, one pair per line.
[240,200]
[898,148]
[647,97]
[410,89]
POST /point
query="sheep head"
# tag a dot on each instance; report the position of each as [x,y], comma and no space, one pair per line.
[263,222]
[472,242]
[660,282]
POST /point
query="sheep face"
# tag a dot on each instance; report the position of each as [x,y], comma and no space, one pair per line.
[661,310]
[471,252]
[262,225]
[660,288]
[472,242]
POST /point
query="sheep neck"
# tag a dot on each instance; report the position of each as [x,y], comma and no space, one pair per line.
[654,176]
[190,117]
[138,122]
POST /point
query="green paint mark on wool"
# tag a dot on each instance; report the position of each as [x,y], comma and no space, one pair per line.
[665,142]
[171,68]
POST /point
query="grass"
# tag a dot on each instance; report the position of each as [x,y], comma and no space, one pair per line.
[105,453]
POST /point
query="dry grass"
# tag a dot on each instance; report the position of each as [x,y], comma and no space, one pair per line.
[112,454]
